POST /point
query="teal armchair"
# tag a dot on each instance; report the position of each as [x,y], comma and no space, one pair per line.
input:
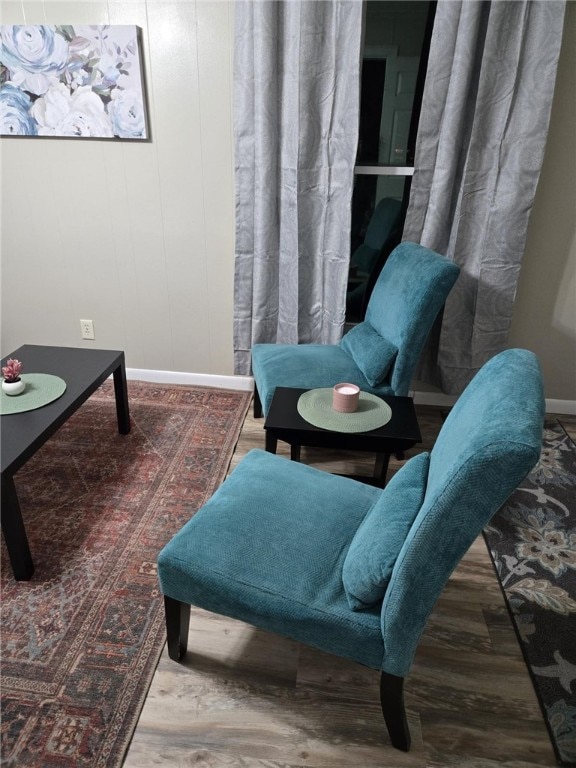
[382,235]
[379,354]
[348,568]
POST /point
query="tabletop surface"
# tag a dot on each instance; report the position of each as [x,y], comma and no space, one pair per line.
[83,370]
[283,415]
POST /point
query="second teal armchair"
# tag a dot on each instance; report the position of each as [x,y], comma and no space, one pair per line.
[381,353]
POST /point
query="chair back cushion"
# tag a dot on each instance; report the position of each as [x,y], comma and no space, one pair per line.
[408,295]
[380,536]
[364,257]
[490,441]
[383,223]
[372,353]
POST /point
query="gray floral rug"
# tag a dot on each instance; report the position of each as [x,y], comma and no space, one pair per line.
[532,541]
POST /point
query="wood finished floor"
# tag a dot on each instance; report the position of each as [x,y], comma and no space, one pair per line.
[245,698]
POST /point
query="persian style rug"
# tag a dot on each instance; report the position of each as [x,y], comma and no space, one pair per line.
[532,541]
[80,642]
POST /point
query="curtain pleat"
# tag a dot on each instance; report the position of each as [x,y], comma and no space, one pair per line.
[296,107]
[480,145]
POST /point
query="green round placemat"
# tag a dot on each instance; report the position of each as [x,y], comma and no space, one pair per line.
[315,406]
[41,389]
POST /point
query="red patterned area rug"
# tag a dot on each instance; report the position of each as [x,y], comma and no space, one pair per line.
[81,640]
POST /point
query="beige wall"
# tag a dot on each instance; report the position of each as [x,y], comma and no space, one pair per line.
[545,311]
[140,237]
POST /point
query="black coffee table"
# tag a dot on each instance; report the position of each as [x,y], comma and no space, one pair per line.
[22,434]
[402,432]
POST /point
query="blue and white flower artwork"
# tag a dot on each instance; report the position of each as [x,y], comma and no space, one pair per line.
[73,81]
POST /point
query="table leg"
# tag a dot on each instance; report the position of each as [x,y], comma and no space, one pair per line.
[14,532]
[271,442]
[381,468]
[294,452]
[121,395]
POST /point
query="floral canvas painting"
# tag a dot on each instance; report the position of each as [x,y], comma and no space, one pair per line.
[73,81]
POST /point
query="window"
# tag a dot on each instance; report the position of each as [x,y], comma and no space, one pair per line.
[396,43]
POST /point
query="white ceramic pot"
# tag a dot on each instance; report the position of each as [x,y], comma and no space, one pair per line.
[13,387]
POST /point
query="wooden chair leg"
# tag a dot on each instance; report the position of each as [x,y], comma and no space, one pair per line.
[257,404]
[177,624]
[392,702]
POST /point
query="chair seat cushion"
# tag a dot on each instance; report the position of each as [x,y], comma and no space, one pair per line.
[268,548]
[306,366]
[371,352]
[377,543]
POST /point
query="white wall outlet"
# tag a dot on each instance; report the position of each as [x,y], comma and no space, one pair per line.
[87,327]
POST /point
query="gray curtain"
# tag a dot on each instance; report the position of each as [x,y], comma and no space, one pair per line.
[296,107]
[483,127]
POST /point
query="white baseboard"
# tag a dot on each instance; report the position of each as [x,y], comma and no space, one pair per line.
[246,384]
[433,398]
[567,407]
[243,383]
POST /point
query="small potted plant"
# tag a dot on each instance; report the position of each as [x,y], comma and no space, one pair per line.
[12,383]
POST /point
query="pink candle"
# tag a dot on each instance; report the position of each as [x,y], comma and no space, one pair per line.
[345,397]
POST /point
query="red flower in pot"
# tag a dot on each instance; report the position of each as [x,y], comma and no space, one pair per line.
[12,383]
